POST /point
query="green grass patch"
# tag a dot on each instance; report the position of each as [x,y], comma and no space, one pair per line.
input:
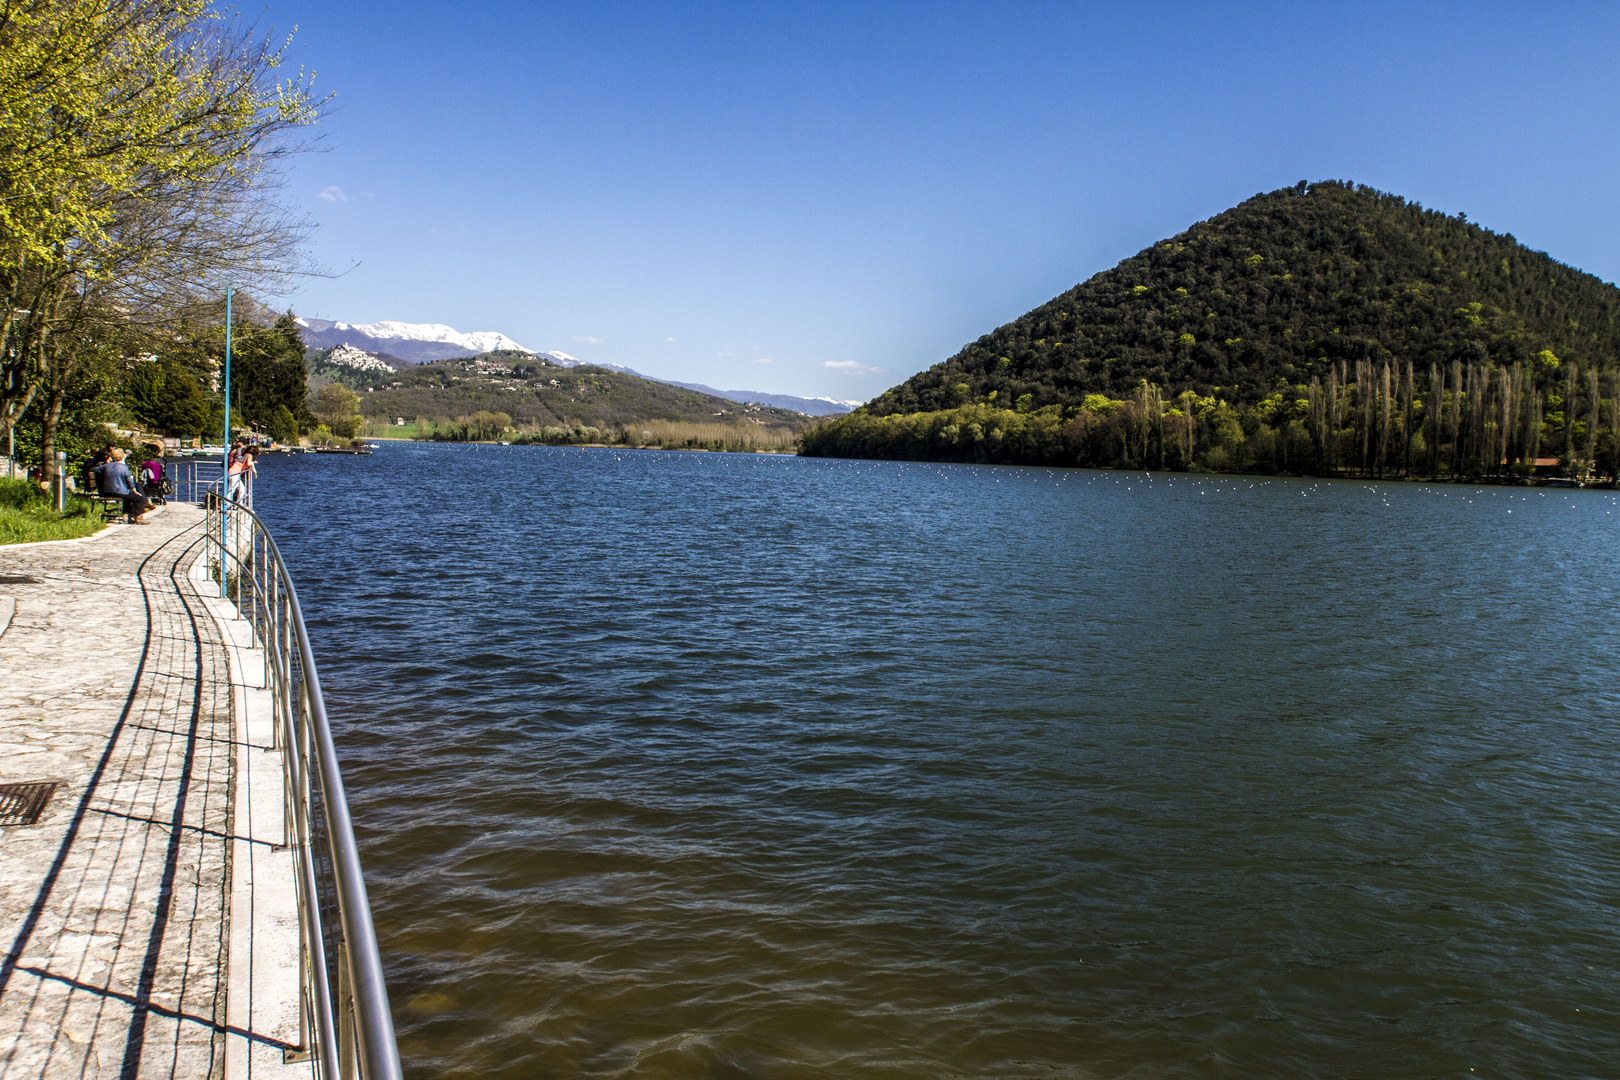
[413,430]
[28,514]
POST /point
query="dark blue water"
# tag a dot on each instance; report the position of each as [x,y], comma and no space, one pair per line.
[704,765]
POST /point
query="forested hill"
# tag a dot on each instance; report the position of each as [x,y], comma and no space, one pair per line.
[1273,291]
[533,391]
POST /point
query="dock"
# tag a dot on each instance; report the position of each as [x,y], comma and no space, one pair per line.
[149,914]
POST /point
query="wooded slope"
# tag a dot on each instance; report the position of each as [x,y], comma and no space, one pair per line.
[1271,292]
[534,392]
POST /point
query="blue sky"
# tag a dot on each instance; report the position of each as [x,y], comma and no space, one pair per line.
[823,199]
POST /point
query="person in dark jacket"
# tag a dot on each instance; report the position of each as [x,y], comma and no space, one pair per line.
[97,459]
[113,479]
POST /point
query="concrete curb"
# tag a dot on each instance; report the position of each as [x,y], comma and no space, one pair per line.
[112,528]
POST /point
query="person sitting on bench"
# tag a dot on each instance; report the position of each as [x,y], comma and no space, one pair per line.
[101,456]
[114,482]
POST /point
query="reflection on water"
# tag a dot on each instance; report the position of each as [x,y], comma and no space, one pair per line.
[702,765]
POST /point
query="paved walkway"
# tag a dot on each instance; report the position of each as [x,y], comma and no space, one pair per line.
[114,908]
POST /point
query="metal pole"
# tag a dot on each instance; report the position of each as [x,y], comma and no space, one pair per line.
[225,487]
[61,480]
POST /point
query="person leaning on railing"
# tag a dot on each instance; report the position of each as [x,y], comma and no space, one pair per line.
[244,467]
[114,481]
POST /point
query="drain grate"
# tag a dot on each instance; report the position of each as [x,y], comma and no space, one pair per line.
[21,804]
[18,579]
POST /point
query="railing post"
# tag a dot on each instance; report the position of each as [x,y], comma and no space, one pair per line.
[345,1008]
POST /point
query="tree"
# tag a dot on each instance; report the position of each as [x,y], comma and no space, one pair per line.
[484,424]
[283,426]
[267,370]
[337,407]
[138,149]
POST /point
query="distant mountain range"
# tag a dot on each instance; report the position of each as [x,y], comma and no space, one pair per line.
[414,343]
[400,344]
[819,406]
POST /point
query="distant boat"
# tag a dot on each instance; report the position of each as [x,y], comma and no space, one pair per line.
[343,449]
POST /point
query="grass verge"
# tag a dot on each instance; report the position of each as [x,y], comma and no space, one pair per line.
[27,515]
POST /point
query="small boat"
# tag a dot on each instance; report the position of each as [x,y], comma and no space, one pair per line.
[343,449]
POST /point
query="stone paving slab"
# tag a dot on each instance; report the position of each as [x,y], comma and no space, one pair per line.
[114,907]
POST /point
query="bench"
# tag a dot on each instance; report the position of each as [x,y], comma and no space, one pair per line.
[112,506]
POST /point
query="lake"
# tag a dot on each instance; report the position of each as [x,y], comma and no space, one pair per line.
[715,765]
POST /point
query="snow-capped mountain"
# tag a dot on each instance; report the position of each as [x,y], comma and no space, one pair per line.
[418,343]
[423,343]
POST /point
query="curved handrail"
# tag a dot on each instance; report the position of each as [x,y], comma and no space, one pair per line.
[360,958]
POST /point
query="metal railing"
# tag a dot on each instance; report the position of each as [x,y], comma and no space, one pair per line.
[350,1028]
[192,478]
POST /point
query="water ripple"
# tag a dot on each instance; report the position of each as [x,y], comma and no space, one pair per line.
[701,765]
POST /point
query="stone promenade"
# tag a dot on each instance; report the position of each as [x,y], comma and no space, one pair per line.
[115,907]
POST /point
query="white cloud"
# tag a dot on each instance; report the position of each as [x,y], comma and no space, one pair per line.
[853,368]
[759,359]
[669,341]
[333,194]
[590,340]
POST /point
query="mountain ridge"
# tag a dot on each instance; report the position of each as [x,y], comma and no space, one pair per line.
[401,344]
[415,343]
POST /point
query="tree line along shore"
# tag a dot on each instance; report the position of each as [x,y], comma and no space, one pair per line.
[1464,422]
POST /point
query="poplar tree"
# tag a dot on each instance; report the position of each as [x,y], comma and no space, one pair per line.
[1314,396]
[1437,401]
[1406,419]
[1364,416]
[1592,420]
[1504,425]
[1570,385]
[1384,421]
[1457,416]
[1614,412]
[1333,406]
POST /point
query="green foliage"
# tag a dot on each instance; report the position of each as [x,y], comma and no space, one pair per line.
[338,410]
[283,427]
[166,394]
[740,438]
[1106,434]
[98,100]
[481,426]
[267,372]
[88,408]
